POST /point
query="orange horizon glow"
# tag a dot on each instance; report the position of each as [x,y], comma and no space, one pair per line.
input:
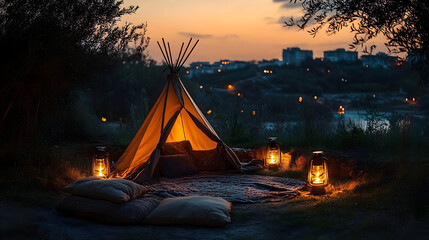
[234,30]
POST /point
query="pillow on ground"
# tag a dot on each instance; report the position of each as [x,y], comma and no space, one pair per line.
[176,166]
[114,190]
[193,210]
[132,212]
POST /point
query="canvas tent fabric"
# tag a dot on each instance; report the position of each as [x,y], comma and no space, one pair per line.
[173,118]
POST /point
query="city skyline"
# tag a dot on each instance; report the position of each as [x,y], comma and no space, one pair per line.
[239,29]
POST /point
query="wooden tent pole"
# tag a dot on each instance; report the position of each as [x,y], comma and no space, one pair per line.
[184,53]
[165,59]
[171,58]
[166,53]
[177,61]
[188,55]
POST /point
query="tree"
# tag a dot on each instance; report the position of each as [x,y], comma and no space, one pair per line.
[51,46]
[404,23]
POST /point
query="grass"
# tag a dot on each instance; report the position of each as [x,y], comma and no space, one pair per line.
[387,202]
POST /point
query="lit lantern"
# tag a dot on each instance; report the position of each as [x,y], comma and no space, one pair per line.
[300,99]
[318,177]
[273,156]
[341,110]
[100,163]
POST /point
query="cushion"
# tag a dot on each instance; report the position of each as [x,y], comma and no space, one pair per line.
[172,148]
[211,160]
[114,190]
[132,212]
[193,210]
[177,165]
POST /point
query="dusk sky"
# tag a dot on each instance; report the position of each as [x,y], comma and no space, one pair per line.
[231,29]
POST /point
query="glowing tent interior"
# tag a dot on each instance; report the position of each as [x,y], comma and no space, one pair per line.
[174,118]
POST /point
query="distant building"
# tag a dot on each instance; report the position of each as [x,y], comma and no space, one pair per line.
[197,68]
[199,65]
[380,60]
[295,56]
[270,63]
[340,55]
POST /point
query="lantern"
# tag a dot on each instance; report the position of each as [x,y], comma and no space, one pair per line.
[100,163]
[273,154]
[318,173]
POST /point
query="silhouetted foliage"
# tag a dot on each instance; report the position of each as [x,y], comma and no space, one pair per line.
[49,47]
[403,23]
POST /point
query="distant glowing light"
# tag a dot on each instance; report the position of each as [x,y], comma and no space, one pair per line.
[187,72]
[242,110]
[315,97]
[414,99]
[373,95]
[308,69]
[341,110]
[406,99]
[329,71]
[196,67]
[239,94]
[366,66]
[209,111]
[103,119]
[300,99]
[201,86]
[219,70]
[254,112]
[230,87]
[271,71]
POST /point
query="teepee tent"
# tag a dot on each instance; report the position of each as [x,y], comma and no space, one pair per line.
[173,118]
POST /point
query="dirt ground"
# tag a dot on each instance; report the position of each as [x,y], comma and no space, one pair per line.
[334,216]
[249,221]
[388,201]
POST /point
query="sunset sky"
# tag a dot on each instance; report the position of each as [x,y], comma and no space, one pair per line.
[230,29]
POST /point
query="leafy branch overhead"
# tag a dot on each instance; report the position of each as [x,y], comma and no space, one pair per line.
[49,47]
[403,23]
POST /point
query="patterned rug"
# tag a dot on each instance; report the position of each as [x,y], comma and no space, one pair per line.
[238,188]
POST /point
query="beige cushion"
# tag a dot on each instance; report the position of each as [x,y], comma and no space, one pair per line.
[114,190]
[132,212]
[193,210]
